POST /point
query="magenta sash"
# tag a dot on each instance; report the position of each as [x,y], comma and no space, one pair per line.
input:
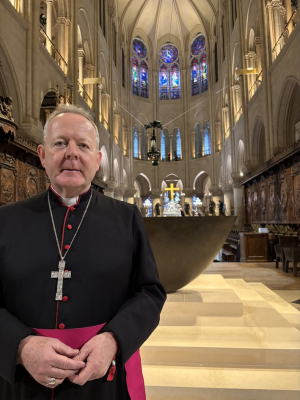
[76,338]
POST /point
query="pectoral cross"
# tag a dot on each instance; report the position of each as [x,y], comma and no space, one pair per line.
[60,274]
[172,190]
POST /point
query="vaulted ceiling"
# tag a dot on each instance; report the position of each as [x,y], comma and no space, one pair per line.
[162,18]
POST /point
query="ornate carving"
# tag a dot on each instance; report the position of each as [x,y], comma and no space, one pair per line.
[31,185]
[283,194]
[263,200]
[272,198]
[255,203]
[7,185]
[26,143]
[296,189]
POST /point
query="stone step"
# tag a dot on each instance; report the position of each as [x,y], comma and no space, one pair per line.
[196,383]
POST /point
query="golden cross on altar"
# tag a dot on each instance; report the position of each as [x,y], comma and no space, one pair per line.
[171,189]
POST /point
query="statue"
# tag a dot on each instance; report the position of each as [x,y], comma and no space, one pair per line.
[173,210]
[221,208]
[212,207]
[157,209]
[187,209]
[6,107]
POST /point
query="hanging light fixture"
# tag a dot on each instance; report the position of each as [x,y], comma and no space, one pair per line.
[153,154]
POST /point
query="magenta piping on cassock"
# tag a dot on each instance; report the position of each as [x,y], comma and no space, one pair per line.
[76,338]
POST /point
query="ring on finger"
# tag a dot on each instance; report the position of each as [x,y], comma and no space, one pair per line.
[52,382]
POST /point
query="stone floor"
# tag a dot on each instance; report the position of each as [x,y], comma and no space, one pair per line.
[225,338]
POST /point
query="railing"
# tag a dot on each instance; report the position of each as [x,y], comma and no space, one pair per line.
[255,85]
[284,34]
[238,114]
[103,121]
[56,54]
[85,95]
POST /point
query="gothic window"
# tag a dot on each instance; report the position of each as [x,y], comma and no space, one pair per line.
[199,80]
[206,140]
[135,144]
[164,83]
[163,146]
[144,79]
[195,77]
[169,73]
[135,76]
[178,144]
[175,82]
[204,80]
[139,69]
[198,141]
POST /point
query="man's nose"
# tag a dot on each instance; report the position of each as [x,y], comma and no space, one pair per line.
[72,151]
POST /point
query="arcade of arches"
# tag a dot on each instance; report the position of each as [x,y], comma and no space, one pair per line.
[221,76]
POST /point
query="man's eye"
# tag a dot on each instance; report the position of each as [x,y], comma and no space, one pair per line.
[58,143]
[84,145]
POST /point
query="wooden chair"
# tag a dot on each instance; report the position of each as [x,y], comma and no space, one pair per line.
[288,240]
[291,254]
[280,255]
[278,252]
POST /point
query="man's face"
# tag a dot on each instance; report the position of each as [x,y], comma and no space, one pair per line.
[70,154]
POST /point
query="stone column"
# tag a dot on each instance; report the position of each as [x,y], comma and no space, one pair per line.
[140,145]
[116,128]
[202,142]
[49,25]
[80,65]
[237,100]
[238,198]
[218,136]
[189,199]
[251,63]
[193,144]
[119,193]
[276,21]
[228,201]
[171,146]
[129,194]
[61,21]
[125,140]
[258,53]
[111,184]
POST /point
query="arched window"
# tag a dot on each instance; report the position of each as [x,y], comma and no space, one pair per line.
[144,79]
[169,73]
[178,144]
[164,83]
[206,140]
[135,76]
[199,79]
[139,69]
[163,146]
[175,82]
[203,69]
[135,144]
[198,141]
[195,77]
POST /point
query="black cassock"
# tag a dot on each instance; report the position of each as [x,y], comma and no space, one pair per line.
[114,280]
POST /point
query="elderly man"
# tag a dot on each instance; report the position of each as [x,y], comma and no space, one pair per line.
[79,289]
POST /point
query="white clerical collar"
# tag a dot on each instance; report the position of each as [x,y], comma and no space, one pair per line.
[67,201]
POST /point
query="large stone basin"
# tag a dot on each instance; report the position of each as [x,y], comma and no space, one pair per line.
[185,247]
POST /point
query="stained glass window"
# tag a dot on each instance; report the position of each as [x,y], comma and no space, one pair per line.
[168,53]
[178,144]
[135,76]
[164,83]
[135,144]
[198,45]
[206,140]
[195,78]
[139,49]
[198,141]
[163,146]
[175,82]
[204,78]
[144,79]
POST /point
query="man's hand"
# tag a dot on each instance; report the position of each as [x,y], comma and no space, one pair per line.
[98,354]
[46,358]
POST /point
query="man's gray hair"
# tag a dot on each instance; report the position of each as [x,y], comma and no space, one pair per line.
[71,109]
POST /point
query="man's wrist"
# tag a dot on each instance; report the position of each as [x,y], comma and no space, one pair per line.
[22,343]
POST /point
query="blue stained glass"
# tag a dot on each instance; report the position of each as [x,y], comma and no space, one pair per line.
[198,45]
[135,76]
[163,146]
[204,78]
[144,79]
[168,53]
[206,140]
[175,82]
[195,78]
[139,49]
[178,144]
[164,82]
[135,144]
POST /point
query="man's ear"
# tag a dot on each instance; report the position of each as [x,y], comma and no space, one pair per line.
[99,158]
[41,153]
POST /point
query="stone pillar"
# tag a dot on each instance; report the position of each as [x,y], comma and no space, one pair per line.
[119,193]
[125,140]
[251,63]
[129,194]
[140,145]
[238,198]
[189,199]
[171,146]
[193,144]
[228,201]
[49,25]
[61,21]
[80,65]
[218,136]
[111,184]
[276,21]
[202,142]
[116,128]
[237,100]
[258,53]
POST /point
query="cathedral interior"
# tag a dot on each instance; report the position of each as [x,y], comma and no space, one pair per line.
[221,80]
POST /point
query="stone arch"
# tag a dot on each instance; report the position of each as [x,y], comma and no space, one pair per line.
[240,157]
[288,113]
[259,143]
[200,183]
[104,166]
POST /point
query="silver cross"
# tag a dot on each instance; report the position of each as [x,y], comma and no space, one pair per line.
[60,274]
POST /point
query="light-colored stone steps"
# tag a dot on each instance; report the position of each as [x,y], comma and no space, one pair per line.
[246,349]
[188,383]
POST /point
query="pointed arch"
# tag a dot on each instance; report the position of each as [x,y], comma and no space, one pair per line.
[259,143]
[198,141]
[104,166]
[240,157]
